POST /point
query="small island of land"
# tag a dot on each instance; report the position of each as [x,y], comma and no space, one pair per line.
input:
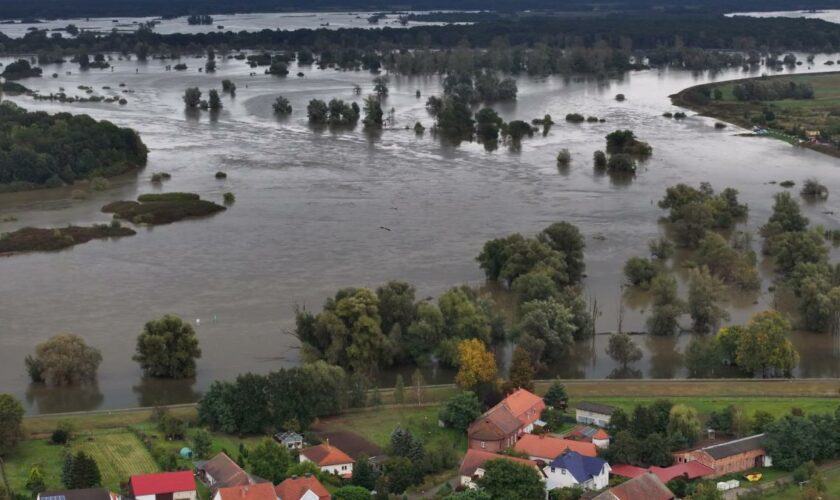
[162,208]
[800,109]
[33,239]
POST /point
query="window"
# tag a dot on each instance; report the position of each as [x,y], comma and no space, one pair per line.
[563,471]
[552,470]
[343,467]
[483,444]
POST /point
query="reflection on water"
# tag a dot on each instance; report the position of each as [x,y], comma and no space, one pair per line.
[311,205]
[160,392]
[46,399]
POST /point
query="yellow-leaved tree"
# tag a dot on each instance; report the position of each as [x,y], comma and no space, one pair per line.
[477,365]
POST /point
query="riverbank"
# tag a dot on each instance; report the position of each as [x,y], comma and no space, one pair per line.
[792,120]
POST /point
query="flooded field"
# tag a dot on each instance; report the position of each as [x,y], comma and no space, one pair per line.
[311,207]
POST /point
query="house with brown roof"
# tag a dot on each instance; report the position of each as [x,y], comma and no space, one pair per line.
[501,426]
[302,488]
[687,470]
[730,457]
[260,491]
[472,466]
[643,487]
[547,448]
[329,459]
[589,434]
[222,472]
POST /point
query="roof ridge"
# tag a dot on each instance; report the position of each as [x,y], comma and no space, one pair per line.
[733,441]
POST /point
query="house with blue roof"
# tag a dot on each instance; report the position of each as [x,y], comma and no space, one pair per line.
[573,469]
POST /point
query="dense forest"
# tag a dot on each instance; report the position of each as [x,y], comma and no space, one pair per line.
[76,8]
[39,149]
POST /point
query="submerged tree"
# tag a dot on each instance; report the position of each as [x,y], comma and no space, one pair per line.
[705,293]
[64,360]
[167,348]
[623,350]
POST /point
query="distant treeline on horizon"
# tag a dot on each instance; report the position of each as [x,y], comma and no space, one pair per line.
[51,9]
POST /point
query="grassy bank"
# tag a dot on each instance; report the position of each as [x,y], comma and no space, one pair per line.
[790,117]
[32,239]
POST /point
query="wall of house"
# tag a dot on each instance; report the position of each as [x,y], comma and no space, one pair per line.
[184,495]
[340,469]
[561,478]
[309,495]
[588,417]
[145,497]
[492,446]
[734,463]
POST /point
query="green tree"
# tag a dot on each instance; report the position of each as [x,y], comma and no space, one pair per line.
[373,112]
[65,360]
[706,490]
[400,473]
[364,473]
[201,444]
[705,293]
[566,238]
[667,306]
[80,471]
[701,358]
[535,286]
[683,420]
[351,493]
[761,419]
[11,420]
[424,335]
[192,97]
[792,441]
[764,348]
[623,350]
[506,479]
[556,395]
[399,390]
[214,101]
[570,493]
[282,106]
[640,271]
[167,348]
[317,112]
[460,410]
[380,86]
[269,460]
[550,322]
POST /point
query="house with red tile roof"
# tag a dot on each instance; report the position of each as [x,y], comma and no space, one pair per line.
[163,486]
[643,487]
[730,457]
[302,488]
[260,491]
[547,448]
[501,426]
[687,470]
[472,466]
[589,434]
[329,459]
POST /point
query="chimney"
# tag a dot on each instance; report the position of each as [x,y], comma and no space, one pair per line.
[308,474]
[295,476]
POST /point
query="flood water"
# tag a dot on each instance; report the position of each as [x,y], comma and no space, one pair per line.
[311,207]
[236,23]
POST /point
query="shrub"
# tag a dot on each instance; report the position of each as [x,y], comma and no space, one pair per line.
[59,436]
[621,163]
[221,175]
[619,97]
[813,189]
[640,271]
[99,184]
[599,159]
[228,198]
[564,158]
[575,118]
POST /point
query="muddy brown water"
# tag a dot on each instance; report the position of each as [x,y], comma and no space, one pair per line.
[311,206]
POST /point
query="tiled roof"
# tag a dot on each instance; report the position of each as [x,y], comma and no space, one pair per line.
[600,434]
[225,472]
[295,487]
[162,482]
[691,470]
[549,448]
[644,487]
[474,459]
[519,409]
[521,403]
[324,455]
[580,467]
[261,491]
[595,407]
[496,423]
[81,494]
[735,447]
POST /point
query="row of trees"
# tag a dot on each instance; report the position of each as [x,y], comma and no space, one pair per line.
[166,348]
[771,90]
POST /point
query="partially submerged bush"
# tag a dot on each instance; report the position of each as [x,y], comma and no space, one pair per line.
[564,158]
[813,189]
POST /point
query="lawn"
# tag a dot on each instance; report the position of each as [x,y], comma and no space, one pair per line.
[377,425]
[705,405]
[119,455]
[832,483]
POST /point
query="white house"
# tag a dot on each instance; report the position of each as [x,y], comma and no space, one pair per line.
[593,413]
[329,459]
[164,486]
[573,469]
